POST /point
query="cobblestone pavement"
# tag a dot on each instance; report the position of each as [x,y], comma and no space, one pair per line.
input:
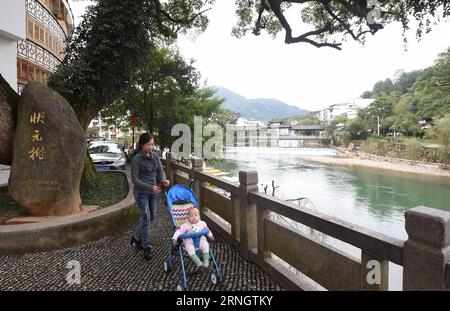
[112,264]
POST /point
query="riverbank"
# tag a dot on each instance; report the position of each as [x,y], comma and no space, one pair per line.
[367,161]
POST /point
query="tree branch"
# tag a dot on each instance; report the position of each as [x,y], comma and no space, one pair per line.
[178,21]
[304,38]
[258,26]
[183,21]
[344,24]
[275,6]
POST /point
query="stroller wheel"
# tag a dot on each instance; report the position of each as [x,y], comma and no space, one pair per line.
[179,288]
[167,266]
[213,278]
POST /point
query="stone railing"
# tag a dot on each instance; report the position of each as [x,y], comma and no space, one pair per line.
[242,216]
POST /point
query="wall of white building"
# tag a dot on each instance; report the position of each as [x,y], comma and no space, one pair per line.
[12,21]
[12,29]
[8,61]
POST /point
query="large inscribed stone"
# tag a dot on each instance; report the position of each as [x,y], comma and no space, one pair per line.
[49,154]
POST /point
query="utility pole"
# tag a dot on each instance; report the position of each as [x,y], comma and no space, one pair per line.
[378,120]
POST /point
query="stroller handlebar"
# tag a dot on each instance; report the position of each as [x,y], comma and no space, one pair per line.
[193,235]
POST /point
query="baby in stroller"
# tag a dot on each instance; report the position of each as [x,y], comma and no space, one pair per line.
[193,225]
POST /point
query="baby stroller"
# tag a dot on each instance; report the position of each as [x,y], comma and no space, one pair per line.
[180,199]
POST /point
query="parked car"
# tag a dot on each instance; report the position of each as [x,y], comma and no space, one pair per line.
[107,155]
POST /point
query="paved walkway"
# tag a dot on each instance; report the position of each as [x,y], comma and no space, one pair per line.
[112,264]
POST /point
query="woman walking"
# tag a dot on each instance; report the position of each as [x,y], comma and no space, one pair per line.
[145,168]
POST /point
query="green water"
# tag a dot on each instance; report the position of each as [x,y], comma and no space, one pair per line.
[375,199]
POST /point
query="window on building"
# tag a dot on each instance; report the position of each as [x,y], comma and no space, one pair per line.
[38,74]
[18,68]
[30,28]
[36,31]
[56,8]
[24,70]
[31,74]
[41,35]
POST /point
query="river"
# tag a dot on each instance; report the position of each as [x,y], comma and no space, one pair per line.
[375,199]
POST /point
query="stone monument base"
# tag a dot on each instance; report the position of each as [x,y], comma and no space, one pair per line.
[37,219]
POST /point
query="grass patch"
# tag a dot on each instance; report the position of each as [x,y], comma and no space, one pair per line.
[113,188]
[8,207]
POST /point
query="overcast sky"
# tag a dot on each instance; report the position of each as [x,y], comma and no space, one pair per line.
[300,74]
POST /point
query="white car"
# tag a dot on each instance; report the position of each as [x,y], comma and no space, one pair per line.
[107,155]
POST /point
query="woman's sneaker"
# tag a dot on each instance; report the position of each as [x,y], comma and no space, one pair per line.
[148,253]
[135,241]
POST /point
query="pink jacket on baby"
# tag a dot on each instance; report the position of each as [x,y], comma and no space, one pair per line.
[188,227]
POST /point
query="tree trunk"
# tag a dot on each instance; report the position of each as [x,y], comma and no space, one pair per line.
[9,102]
[90,178]
[151,109]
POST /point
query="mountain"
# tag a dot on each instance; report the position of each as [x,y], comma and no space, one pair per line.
[261,109]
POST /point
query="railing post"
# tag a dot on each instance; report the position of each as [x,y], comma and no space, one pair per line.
[248,182]
[374,272]
[236,215]
[261,214]
[427,250]
[170,172]
[197,166]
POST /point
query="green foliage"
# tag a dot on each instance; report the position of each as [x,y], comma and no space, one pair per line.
[405,81]
[401,84]
[331,128]
[413,96]
[443,129]
[407,124]
[344,138]
[403,148]
[381,88]
[413,149]
[224,117]
[432,89]
[92,133]
[358,129]
[306,120]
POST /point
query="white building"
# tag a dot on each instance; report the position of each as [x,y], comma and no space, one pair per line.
[349,110]
[109,132]
[244,122]
[12,30]
[33,36]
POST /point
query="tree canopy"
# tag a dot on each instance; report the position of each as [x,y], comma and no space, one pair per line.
[106,47]
[410,97]
[164,90]
[333,21]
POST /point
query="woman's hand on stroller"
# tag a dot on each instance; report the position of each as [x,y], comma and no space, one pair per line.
[166,183]
[156,189]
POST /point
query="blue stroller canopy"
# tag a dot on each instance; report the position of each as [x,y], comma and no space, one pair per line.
[180,192]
